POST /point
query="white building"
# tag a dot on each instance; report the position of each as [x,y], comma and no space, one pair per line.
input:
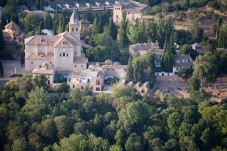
[135,10]
[60,52]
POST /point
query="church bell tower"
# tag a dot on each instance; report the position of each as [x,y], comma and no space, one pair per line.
[74,25]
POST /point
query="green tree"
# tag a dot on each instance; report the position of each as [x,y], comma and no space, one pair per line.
[133,143]
[129,71]
[20,145]
[222,38]
[48,24]
[22,56]
[115,148]
[167,58]
[96,28]
[2,44]
[134,115]
[36,105]
[30,21]
[194,84]
[123,39]
[47,130]
[173,124]
[3,22]
[112,29]
[206,68]
[10,8]
[62,87]
[63,125]
[39,81]
[196,31]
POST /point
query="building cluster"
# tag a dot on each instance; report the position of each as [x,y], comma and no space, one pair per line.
[181,61]
[134,11]
[60,59]
[13,37]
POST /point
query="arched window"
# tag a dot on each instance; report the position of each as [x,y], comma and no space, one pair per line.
[63,54]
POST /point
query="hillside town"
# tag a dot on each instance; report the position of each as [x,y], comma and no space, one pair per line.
[62,55]
[106,75]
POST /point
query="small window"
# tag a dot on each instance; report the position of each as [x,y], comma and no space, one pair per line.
[63,54]
[81,65]
[72,29]
[116,16]
[82,87]
[75,52]
[67,55]
[60,55]
[31,62]
[75,65]
[73,86]
[69,79]
[76,29]
[50,62]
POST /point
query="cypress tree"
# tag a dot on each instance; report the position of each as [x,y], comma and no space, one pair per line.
[123,39]
[22,56]
[141,34]
[96,28]
[2,45]
[3,22]
[37,4]
[129,71]
[167,59]
[112,29]
[48,24]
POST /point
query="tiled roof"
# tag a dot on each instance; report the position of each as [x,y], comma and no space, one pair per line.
[182,57]
[84,21]
[6,34]
[63,43]
[41,40]
[184,64]
[43,71]
[132,6]
[33,56]
[53,40]
[80,60]
[12,26]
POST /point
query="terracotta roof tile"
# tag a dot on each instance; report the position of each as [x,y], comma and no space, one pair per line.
[33,56]
[12,26]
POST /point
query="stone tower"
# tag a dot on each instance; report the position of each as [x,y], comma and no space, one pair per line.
[74,25]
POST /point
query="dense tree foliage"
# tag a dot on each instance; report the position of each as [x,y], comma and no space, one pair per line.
[141,68]
[120,121]
[206,68]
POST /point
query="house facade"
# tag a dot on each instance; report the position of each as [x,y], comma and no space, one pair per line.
[60,52]
[134,10]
